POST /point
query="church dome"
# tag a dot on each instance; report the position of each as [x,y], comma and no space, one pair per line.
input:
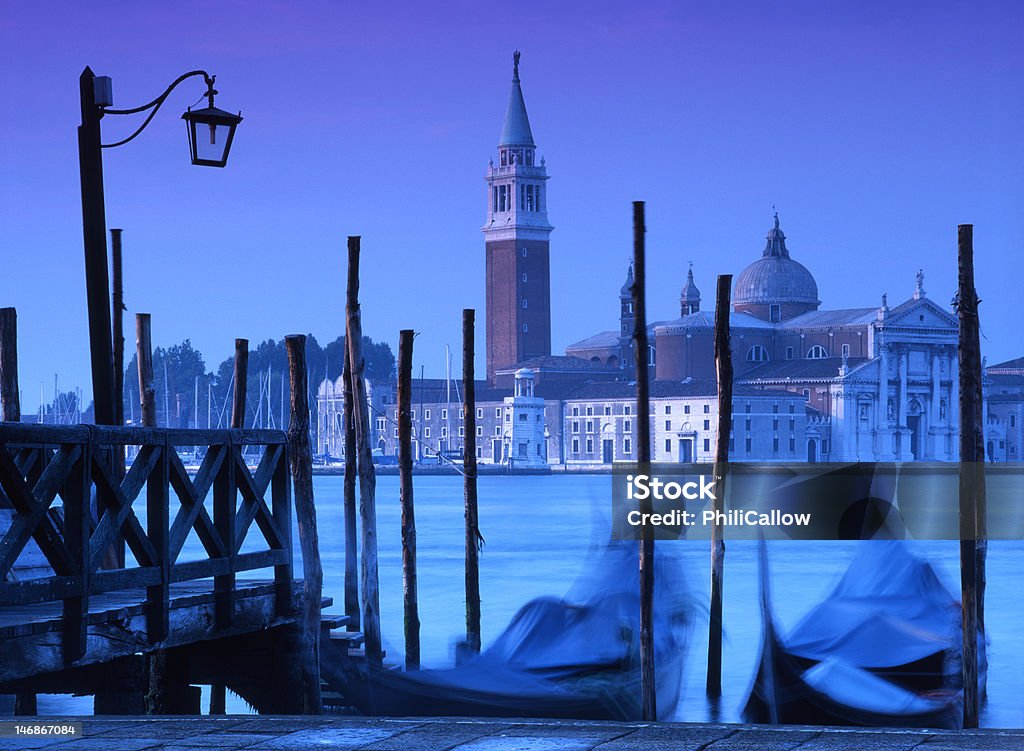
[775,278]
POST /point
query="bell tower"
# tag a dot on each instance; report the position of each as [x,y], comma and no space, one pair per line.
[516,241]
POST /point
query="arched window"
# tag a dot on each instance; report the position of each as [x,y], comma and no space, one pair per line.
[524,276]
[817,352]
[757,353]
[524,303]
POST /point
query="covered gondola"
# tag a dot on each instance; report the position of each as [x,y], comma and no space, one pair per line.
[883,649]
[575,657]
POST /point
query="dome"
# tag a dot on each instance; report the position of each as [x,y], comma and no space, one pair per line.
[775,277]
[524,373]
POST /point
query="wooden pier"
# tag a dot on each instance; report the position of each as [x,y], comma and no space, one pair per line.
[76,627]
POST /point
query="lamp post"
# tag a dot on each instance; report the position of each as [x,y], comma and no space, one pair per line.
[210,133]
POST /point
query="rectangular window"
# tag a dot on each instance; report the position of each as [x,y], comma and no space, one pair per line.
[479,413]
[590,445]
[426,414]
[668,409]
[575,411]
[462,431]
[748,424]
[480,430]
[668,425]
[748,408]
[575,445]
[396,432]
[497,412]
[686,409]
[590,426]
[747,444]
[627,410]
[707,409]
[508,416]
[775,408]
[590,411]
[382,423]
[627,446]
[792,408]
[575,426]
[607,409]
[444,432]
[775,444]
[462,414]
[627,426]
[792,423]
[707,444]
[775,423]
[426,432]
[824,447]
[732,443]
[497,430]
[479,452]
[789,353]
[792,444]
[707,425]
[444,414]
[522,417]
[668,445]
[412,414]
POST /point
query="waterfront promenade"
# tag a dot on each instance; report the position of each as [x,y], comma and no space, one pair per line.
[233,733]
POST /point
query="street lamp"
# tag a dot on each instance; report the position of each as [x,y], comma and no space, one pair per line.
[210,133]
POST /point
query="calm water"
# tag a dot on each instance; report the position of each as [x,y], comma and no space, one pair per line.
[538,531]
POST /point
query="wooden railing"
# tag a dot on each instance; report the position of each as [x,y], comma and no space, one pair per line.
[81,466]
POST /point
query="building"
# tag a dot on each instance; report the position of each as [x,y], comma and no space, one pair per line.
[516,235]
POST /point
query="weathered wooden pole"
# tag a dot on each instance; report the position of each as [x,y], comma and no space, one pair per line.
[349,489]
[301,455]
[241,383]
[649,703]
[723,373]
[364,454]
[158,699]
[973,527]
[409,583]
[144,359]
[473,536]
[10,411]
[10,398]
[118,322]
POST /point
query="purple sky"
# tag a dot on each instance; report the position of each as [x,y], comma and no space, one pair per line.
[875,130]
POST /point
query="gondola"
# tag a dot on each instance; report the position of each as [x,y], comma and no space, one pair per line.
[575,657]
[883,649]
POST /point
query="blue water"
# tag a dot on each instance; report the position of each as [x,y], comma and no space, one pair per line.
[538,531]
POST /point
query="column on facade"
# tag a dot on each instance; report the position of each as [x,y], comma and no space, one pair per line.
[902,416]
[936,391]
[883,388]
[953,410]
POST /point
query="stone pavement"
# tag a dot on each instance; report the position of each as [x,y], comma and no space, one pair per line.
[455,734]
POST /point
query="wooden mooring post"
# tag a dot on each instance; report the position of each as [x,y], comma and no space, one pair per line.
[10,398]
[349,493]
[144,361]
[973,526]
[648,681]
[10,411]
[118,323]
[723,373]
[474,539]
[409,583]
[301,455]
[364,454]
[241,379]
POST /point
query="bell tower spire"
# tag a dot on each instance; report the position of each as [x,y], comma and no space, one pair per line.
[516,234]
